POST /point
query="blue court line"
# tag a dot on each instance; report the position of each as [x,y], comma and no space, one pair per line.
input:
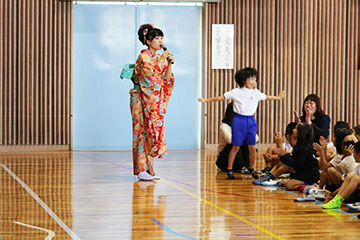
[171,231]
[320,203]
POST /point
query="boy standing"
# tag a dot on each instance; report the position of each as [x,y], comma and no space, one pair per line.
[244,127]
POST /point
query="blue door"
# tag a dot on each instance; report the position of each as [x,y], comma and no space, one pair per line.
[105,39]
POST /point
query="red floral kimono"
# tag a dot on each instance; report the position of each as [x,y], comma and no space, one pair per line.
[148,102]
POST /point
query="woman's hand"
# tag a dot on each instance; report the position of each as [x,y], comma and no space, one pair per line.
[170,59]
[297,117]
[167,56]
[308,116]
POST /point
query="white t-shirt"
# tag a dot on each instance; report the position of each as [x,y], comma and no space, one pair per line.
[287,146]
[335,161]
[357,170]
[330,145]
[245,100]
[348,165]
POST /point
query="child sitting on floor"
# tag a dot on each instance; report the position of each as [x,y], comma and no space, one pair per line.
[302,163]
[271,159]
[351,185]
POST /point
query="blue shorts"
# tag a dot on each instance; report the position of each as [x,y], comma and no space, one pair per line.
[243,128]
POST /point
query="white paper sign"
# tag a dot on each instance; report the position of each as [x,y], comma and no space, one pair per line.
[222,46]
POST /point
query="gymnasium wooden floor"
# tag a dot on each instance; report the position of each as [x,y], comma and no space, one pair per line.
[93,195]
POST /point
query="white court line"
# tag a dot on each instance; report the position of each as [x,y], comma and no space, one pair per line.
[49,237]
[42,204]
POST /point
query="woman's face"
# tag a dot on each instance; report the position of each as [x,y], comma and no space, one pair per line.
[310,107]
[156,43]
[250,83]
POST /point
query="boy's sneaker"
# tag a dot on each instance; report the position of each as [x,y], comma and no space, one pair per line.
[319,196]
[244,170]
[230,174]
[266,170]
[284,175]
[305,199]
[253,174]
[267,177]
[309,189]
[270,183]
[354,207]
[280,183]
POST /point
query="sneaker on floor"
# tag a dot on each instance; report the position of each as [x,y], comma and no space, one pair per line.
[267,177]
[254,174]
[230,174]
[309,189]
[280,183]
[244,170]
[354,207]
[266,170]
[316,191]
[284,175]
[270,183]
[145,176]
[305,199]
[261,174]
[318,196]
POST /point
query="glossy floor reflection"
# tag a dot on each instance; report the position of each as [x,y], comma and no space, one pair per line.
[93,195]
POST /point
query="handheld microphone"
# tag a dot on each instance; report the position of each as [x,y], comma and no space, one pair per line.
[165,48]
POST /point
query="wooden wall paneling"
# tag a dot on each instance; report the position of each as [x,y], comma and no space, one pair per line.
[35,72]
[3,50]
[352,77]
[301,46]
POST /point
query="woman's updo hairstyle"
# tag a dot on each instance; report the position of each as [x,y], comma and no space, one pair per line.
[148,32]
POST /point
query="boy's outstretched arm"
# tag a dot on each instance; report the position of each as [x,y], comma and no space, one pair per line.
[281,96]
[213,99]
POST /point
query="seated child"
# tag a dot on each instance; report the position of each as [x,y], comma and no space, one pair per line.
[302,164]
[350,186]
[331,174]
[271,159]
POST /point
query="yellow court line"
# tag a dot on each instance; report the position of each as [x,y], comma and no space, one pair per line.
[226,211]
[295,215]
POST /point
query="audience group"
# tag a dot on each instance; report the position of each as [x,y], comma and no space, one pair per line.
[322,169]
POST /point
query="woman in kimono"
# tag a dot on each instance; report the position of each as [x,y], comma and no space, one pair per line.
[153,84]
